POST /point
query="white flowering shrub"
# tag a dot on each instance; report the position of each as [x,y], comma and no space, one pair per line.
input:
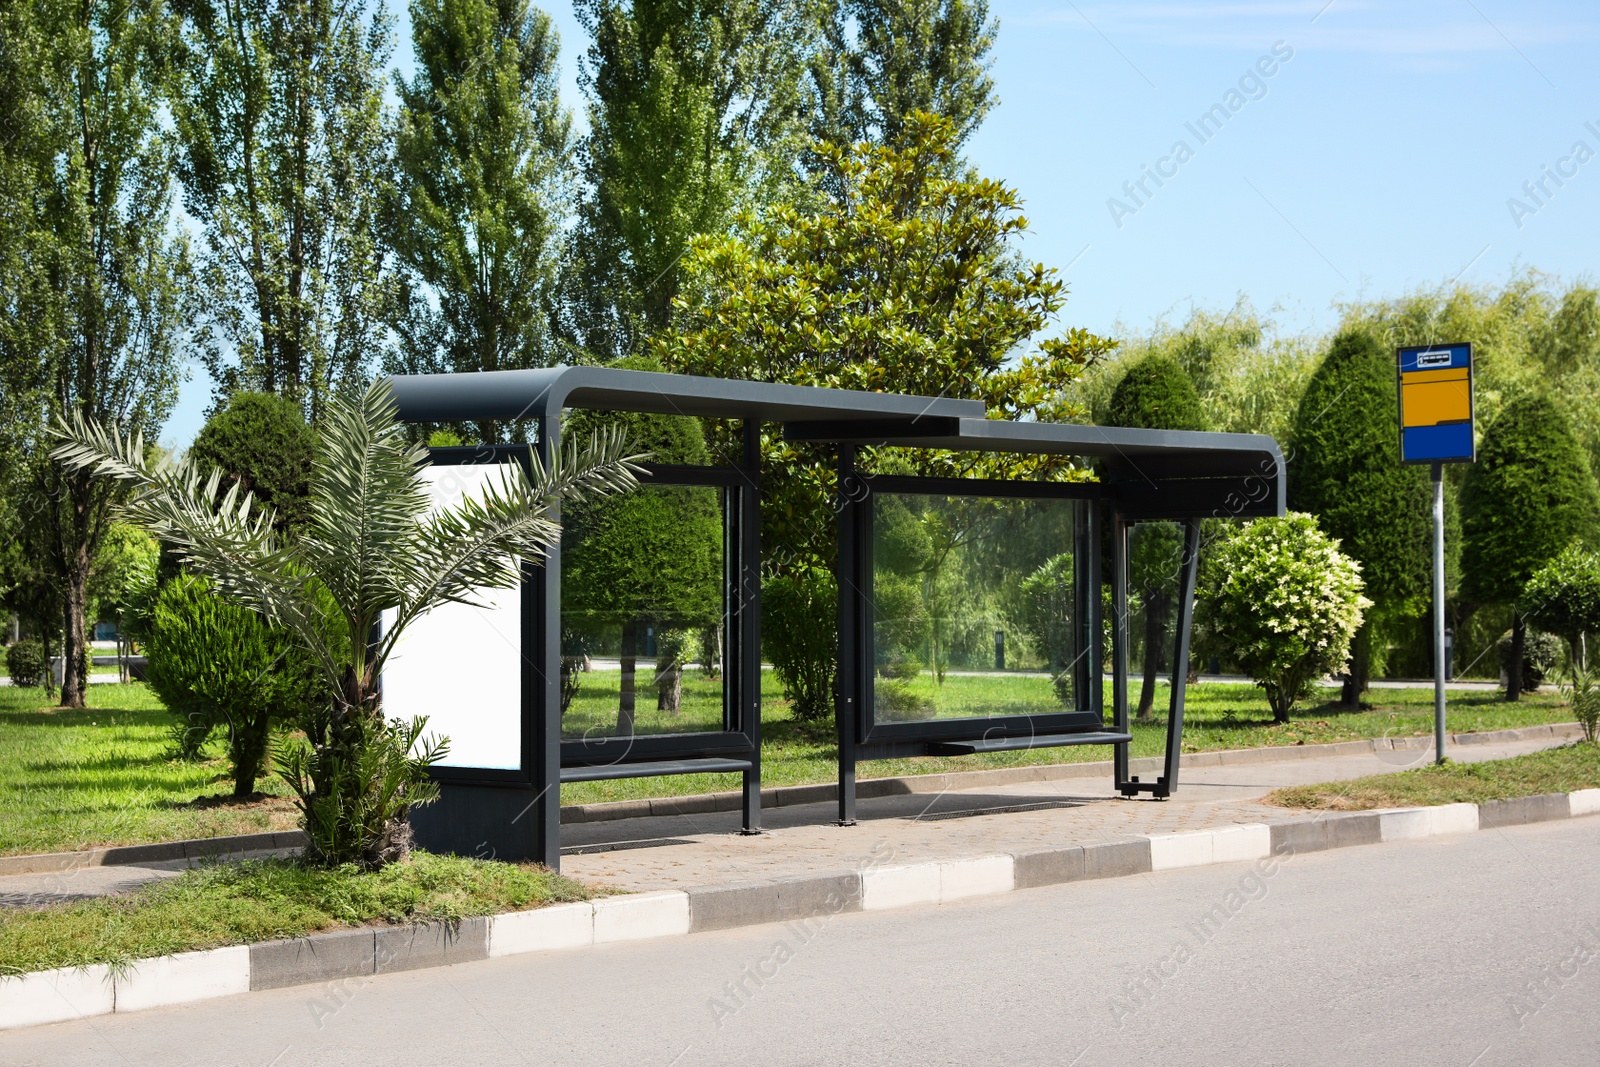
[1281,601]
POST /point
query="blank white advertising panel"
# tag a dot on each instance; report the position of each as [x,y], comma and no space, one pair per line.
[461,666]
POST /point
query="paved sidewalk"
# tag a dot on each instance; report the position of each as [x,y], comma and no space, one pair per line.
[680,851]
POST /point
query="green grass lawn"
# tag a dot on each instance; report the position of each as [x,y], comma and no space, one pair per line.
[101,776]
[261,900]
[80,779]
[1555,770]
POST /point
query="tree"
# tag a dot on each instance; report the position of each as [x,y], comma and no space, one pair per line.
[1155,394]
[1563,597]
[902,278]
[284,164]
[1529,496]
[693,108]
[1346,470]
[372,546]
[262,444]
[1283,602]
[653,558]
[483,156]
[904,56]
[98,292]
[124,571]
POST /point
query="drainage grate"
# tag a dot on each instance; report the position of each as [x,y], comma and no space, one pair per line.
[1010,809]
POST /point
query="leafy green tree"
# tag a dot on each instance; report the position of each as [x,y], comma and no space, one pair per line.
[483,157]
[902,279]
[1529,496]
[124,571]
[285,160]
[372,546]
[652,558]
[1155,393]
[1283,602]
[1346,470]
[693,108]
[262,444]
[885,60]
[1563,597]
[97,291]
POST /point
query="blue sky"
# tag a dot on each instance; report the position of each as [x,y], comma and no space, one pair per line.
[1378,156]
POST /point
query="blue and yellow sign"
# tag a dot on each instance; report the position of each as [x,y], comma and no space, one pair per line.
[1436,404]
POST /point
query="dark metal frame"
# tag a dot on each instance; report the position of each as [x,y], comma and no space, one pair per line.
[1145,474]
[1131,785]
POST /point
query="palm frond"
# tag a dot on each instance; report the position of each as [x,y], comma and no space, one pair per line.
[480,542]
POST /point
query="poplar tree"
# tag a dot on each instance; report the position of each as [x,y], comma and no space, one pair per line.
[96,287]
[883,60]
[285,157]
[484,182]
[694,106]
[1155,393]
[1346,471]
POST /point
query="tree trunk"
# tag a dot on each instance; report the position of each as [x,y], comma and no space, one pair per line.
[669,686]
[74,683]
[628,694]
[1359,678]
[1155,639]
[1519,644]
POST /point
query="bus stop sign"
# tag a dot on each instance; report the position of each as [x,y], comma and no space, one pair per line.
[1436,404]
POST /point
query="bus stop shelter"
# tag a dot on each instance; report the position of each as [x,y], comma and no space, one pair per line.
[504,679]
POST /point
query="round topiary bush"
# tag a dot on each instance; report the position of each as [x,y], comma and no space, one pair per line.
[1283,602]
[26,664]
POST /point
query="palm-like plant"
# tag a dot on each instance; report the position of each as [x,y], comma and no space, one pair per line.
[372,546]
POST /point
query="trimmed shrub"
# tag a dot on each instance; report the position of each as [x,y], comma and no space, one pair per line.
[215,664]
[1156,393]
[1282,602]
[25,663]
[799,619]
[261,442]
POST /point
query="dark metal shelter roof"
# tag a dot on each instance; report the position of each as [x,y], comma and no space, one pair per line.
[526,394]
[1147,465]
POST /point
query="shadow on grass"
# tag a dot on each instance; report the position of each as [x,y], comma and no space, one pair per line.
[79,717]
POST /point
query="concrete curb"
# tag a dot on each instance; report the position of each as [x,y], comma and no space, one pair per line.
[790,795]
[359,954]
[128,855]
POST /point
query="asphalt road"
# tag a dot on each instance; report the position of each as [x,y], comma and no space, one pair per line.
[1471,951]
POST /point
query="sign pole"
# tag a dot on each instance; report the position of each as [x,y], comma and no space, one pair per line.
[1434,390]
[1438,612]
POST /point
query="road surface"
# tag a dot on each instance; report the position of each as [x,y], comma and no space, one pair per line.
[1480,950]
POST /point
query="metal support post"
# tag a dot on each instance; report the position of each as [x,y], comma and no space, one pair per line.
[1438,613]
[847,679]
[747,671]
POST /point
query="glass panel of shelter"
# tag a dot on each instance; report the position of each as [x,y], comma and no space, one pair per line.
[1155,563]
[645,613]
[976,607]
